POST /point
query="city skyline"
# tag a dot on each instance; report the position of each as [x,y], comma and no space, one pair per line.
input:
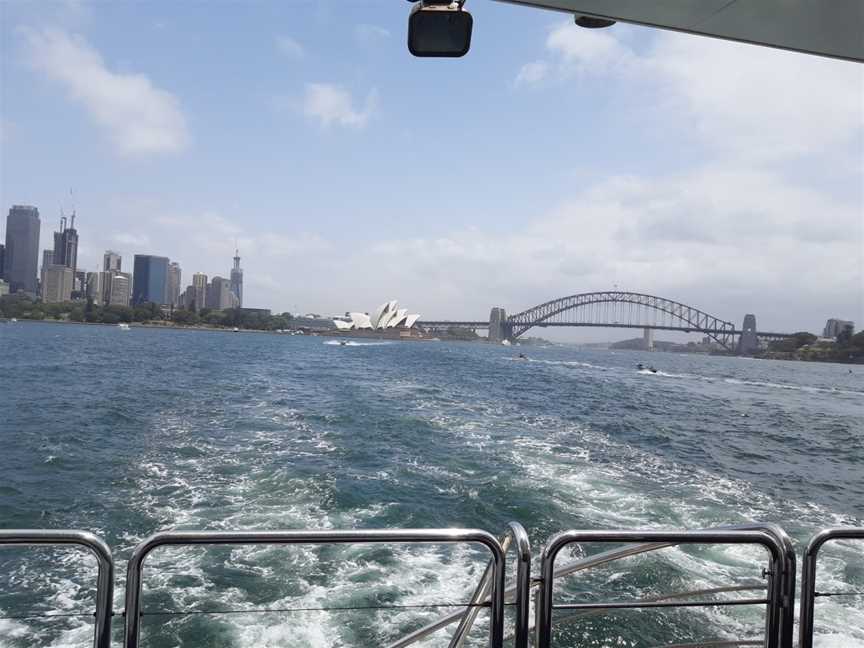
[693,169]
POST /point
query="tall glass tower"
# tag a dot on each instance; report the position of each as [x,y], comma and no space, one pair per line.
[22,248]
[150,280]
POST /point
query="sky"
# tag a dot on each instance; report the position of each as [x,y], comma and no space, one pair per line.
[551,160]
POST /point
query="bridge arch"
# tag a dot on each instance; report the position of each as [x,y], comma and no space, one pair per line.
[615,308]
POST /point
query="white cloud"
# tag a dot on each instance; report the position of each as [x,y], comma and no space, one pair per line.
[131,239]
[714,237]
[290,47]
[333,104]
[532,73]
[755,102]
[370,34]
[138,117]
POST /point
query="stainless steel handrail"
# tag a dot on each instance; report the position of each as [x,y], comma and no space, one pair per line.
[515,533]
[379,536]
[786,612]
[808,577]
[543,623]
[104,577]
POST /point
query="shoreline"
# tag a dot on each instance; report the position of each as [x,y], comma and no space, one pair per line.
[394,338]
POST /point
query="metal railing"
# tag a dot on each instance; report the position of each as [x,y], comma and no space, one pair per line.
[652,541]
[808,577]
[491,592]
[104,561]
[388,536]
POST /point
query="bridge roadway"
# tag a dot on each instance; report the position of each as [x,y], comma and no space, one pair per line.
[474,325]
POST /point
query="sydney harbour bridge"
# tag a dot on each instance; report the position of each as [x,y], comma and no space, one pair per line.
[617,309]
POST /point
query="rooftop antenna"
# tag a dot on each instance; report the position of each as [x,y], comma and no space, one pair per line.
[72,199]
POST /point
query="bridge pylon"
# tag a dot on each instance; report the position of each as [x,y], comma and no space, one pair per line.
[748,342]
[499,328]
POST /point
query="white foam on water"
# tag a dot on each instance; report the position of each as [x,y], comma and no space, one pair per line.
[353,343]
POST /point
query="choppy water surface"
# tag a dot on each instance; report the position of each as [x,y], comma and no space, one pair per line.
[127,433]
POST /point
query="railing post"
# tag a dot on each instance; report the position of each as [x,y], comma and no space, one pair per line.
[105,574]
[808,577]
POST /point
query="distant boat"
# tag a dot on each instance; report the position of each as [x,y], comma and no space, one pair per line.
[13,320]
[236,330]
[123,326]
[505,342]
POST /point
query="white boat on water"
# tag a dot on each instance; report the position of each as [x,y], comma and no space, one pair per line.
[123,326]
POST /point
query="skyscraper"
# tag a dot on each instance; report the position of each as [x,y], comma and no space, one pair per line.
[66,245]
[111,261]
[173,283]
[47,260]
[150,279]
[2,258]
[96,287]
[199,281]
[22,248]
[219,295]
[237,280]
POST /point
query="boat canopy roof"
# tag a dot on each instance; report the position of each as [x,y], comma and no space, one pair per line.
[832,28]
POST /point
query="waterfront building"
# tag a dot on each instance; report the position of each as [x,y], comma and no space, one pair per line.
[387,316]
[111,261]
[118,288]
[834,326]
[173,283]
[150,279]
[47,260]
[2,258]
[219,295]
[237,280]
[4,287]
[199,282]
[96,287]
[57,284]
[21,255]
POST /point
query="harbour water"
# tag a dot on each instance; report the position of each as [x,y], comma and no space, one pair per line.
[125,433]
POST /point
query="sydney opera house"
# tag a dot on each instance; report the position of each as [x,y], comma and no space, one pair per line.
[387,316]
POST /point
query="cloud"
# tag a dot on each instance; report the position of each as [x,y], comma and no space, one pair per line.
[756,102]
[332,104]
[131,239]
[532,73]
[138,117]
[714,237]
[370,34]
[290,47]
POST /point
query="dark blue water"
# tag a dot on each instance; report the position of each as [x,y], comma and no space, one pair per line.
[127,433]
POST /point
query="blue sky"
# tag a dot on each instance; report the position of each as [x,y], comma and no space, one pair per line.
[551,160]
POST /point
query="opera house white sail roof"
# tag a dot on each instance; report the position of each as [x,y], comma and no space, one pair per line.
[387,316]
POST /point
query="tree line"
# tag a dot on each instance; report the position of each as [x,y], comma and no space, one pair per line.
[21,307]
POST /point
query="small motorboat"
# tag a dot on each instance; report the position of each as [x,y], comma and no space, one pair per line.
[123,326]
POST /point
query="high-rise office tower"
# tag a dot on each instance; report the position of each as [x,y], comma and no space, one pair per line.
[47,260]
[219,295]
[66,245]
[57,283]
[237,280]
[96,287]
[173,283]
[2,258]
[22,248]
[117,288]
[111,261]
[199,281]
[150,279]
